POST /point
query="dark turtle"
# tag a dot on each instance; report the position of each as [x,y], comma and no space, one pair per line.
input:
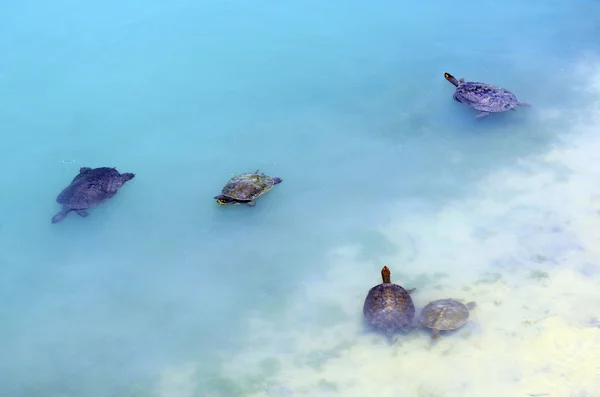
[245,188]
[89,188]
[445,315]
[388,307]
[484,97]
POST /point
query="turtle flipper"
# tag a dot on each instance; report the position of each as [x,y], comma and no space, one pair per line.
[61,215]
[410,291]
[409,328]
[471,305]
[525,104]
[82,213]
[250,203]
[435,333]
[482,115]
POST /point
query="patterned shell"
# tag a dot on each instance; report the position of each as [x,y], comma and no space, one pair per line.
[248,186]
[485,97]
[388,307]
[91,187]
[444,314]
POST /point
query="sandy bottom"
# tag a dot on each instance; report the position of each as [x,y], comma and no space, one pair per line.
[524,247]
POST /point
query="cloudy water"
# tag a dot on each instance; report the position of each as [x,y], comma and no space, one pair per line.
[160,292]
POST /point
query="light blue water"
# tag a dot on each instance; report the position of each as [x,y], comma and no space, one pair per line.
[346,101]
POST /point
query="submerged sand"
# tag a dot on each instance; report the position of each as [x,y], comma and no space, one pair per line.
[524,247]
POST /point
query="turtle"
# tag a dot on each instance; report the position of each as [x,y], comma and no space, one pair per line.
[388,307]
[89,188]
[245,188]
[445,315]
[484,97]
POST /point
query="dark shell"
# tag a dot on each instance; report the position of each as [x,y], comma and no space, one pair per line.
[91,187]
[444,315]
[248,186]
[485,97]
[388,307]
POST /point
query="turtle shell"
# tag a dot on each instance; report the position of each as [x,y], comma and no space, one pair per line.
[91,187]
[388,307]
[485,97]
[444,314]
[248,186]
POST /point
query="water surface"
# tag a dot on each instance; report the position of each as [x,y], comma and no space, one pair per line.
[160,292]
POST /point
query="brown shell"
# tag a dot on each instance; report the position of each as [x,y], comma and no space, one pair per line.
[248,186]
[91,187]
[444,314]
[388,307]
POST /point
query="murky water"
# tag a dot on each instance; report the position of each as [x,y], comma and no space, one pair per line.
[159,292]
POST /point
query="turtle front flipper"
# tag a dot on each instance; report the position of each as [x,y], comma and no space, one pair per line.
[471,305]
[435,333]
[410,291]
[250,203]
[482,115]
[61,215]
[82,213]
[525,104]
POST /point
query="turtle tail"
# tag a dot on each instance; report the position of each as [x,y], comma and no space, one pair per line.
[389,334]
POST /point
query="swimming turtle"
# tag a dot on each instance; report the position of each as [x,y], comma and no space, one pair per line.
[389,307]
[245,188]
[445,315]
[89,188]
[484,97]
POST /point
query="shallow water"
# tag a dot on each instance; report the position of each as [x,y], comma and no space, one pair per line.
[160,292]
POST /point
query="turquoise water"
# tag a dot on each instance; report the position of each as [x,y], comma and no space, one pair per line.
[160,292]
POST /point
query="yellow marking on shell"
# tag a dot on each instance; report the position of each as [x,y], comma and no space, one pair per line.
[437,321]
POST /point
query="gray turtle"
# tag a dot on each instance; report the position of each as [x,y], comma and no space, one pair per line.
[484,97]
[245,188]
[388,307]
[445,315]
[91,187]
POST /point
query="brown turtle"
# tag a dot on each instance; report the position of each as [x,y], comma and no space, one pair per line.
[245,188]
[445,315]
[91,187]
[388,307]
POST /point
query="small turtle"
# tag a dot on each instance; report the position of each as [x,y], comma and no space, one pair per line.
[484,97]
[445,315]
[245,188]
[389,307]
[89,188]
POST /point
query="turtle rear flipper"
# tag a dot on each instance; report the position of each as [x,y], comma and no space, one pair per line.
[61,215]
[482,115]
[435,333]
[471,305]
[250,203]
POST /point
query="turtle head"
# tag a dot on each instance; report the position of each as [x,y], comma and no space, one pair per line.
[385,275]
[451,79]
[127,176]
[222,200]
